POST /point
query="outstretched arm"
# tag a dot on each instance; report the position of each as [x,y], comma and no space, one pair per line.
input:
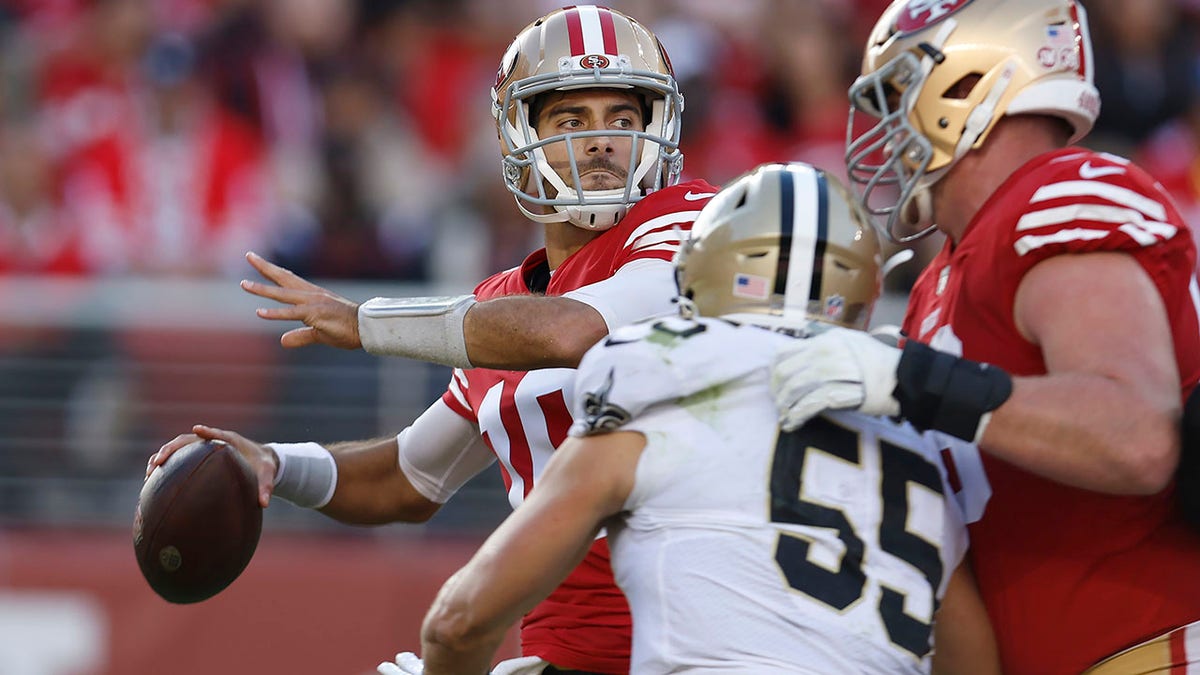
[520,332]
[586,481]
[510,333]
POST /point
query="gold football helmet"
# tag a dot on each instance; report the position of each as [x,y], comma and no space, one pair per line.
[1022,56]
[575,48]
[780,246]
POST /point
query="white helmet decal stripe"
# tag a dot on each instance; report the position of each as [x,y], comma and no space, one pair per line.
[807,216]
[591,30]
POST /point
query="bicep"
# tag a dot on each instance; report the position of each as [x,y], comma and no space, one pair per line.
[1100,314]
[440,451]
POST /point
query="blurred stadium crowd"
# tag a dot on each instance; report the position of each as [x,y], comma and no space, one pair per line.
[157,140]
[353,139]
[146,144]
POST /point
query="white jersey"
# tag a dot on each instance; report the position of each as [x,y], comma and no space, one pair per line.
[744,549]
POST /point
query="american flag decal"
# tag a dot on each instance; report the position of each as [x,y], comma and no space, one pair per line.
[750,286]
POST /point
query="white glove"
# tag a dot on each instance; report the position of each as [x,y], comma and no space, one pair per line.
[406,663]
[525,665]
[838,368]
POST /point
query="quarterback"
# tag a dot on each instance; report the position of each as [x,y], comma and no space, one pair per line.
[587,111]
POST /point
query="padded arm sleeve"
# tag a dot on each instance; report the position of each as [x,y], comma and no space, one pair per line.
[441,451]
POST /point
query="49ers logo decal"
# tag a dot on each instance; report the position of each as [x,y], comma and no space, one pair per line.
[593,61]
[507,64]
[919,14]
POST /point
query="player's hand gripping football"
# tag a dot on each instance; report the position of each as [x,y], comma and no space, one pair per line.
[838,368]
[261,458]
[329,319]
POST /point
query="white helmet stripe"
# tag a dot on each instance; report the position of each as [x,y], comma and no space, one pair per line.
[806,213]
[597,34]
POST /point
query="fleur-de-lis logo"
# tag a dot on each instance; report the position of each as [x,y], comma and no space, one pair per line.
[918,14]
[601,415]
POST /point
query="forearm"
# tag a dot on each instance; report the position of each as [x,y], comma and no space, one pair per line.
[371,487]
[518,566]
[528,332]
[531,552]
[1114,433]
[1087,431]
[964,643]
[446,649]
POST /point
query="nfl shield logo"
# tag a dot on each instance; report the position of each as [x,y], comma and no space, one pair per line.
[835,306]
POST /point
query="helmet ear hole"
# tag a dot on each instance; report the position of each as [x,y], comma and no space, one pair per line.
[963,87]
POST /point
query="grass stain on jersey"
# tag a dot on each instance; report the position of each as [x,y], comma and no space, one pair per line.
[705,405]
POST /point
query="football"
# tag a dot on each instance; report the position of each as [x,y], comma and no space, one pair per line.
[197,522]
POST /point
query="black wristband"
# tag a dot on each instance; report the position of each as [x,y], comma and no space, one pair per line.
[939,391]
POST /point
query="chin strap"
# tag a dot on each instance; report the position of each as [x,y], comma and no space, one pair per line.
[982,115]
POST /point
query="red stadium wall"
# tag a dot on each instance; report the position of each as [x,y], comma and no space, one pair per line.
[76,604]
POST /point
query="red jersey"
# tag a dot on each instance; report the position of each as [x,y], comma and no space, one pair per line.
[524,415]
[1069,576]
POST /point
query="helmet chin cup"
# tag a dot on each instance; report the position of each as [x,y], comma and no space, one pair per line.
[914,218]
[595,218]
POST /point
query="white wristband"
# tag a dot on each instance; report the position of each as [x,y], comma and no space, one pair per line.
[428,329]
[307,474]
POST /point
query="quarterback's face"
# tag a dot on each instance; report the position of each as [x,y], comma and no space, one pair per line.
[603,160]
